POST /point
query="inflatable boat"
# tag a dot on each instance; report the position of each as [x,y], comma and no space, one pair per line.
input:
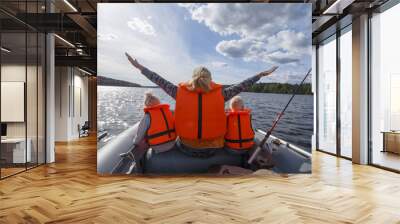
[121,156]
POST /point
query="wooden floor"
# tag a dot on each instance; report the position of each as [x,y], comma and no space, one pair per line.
[387,159]
[10,171]
[70,191]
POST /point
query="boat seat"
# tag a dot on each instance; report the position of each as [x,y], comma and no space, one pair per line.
[176,162]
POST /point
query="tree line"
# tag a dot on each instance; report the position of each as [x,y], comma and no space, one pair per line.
[284,88]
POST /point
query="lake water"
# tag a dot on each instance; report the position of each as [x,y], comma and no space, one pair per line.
[121,107]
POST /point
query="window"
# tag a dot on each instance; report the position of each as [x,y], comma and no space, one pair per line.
[15,147]
[327,95]
[385,89]
[346,93]
[22,88]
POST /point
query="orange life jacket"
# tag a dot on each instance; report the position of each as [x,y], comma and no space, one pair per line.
[239,134]
[200,115]
[162,125]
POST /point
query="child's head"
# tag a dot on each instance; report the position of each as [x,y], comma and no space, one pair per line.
[236,103]
[150,100]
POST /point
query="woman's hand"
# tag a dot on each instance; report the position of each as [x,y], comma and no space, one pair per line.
[268,72]
[134,62]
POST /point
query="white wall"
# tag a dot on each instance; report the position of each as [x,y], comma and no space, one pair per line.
[70,83]
[50,94]
[33,126]
[13,73]
[81,84]
[17,73]
[62,81]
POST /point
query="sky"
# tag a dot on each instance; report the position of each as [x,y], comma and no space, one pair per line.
[234,41]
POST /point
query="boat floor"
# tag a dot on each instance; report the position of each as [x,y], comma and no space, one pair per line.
[286,158]
[175,161]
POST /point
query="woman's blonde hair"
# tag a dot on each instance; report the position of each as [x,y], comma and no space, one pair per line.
[150,99]
[236,103]
[201,79]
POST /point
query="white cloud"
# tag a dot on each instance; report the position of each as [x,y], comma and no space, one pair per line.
[289,39]
[282,57]
[272,33]
[219,64]
[108,36]
[142,26]
[286,47]
[167,55]
[189,6]
[245,48]
[257,21]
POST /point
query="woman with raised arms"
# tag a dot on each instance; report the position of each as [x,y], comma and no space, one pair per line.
[200,120]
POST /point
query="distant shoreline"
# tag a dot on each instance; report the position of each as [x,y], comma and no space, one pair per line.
[282,88]
[152,87]
[156,87]
[105,81]
[277,88]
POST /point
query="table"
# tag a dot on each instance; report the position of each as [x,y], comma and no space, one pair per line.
[13,150]
[391,141]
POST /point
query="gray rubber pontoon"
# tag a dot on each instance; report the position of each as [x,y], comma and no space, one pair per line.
[116,158]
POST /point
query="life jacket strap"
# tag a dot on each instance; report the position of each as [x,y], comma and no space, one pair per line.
[172,140]
[240,130]
[166,121]
[240,141]
[200,116]
[159,134]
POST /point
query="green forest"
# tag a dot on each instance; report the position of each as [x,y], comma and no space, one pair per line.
[280,88]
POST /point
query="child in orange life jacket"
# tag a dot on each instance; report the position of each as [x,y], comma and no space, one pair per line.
[157,126]
[239,137]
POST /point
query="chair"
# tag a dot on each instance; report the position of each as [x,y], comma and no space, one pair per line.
[84,130]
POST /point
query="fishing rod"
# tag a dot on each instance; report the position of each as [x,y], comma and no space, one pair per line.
[258,149]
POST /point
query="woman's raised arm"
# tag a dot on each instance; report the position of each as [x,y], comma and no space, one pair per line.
[246,84]
[164,84]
